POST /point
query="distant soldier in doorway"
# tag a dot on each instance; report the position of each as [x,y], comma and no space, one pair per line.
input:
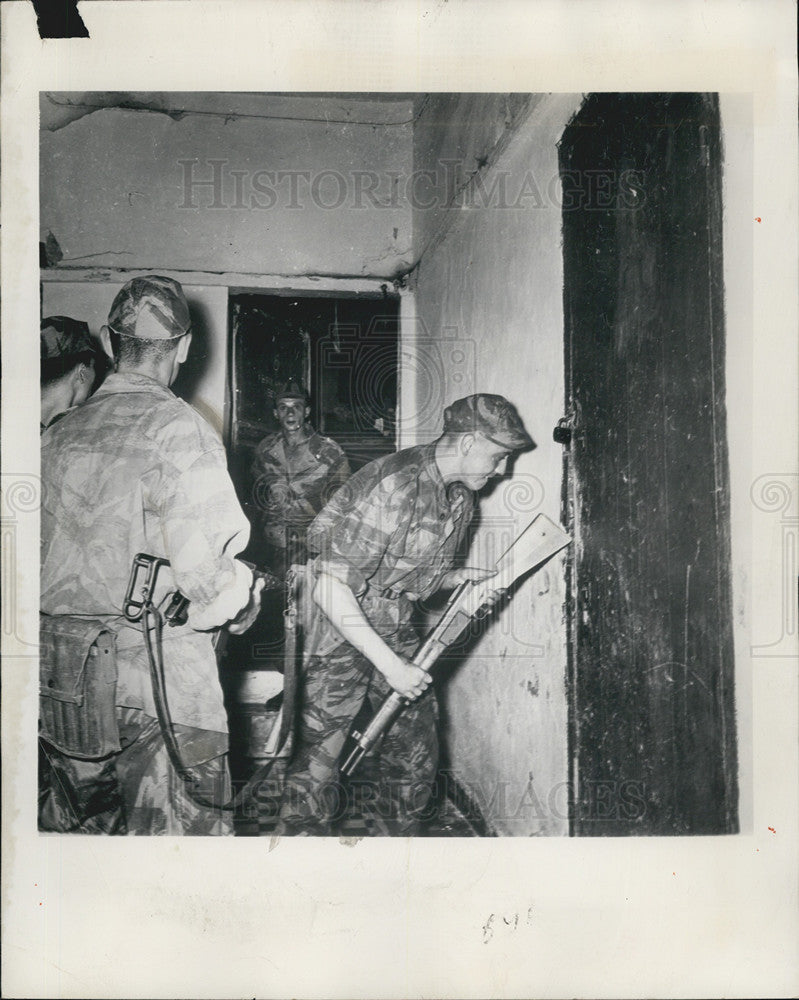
[295,472]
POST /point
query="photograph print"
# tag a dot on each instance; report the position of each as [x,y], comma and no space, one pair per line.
[386,465]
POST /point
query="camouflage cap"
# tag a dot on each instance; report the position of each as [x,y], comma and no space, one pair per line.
[493,416]
[291,390]
[62,337]
[150,308]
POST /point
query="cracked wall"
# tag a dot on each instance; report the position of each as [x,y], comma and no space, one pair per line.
[127,188]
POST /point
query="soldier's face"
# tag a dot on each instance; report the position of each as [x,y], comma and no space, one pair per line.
[481,459]
[291,414]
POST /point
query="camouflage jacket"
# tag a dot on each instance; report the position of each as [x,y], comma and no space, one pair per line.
[390,534]
[134,469]
[292,484]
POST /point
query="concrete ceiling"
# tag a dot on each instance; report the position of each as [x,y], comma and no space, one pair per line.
[58,109]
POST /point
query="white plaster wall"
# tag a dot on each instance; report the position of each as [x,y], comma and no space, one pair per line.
[741,361]
[452,136]
[114,192]
[489,294]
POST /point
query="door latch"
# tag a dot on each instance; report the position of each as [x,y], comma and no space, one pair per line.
[564,429]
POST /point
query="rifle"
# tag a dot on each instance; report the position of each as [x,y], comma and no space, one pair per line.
[175,607]
[534,546]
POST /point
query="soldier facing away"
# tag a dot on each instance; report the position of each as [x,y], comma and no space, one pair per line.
[137,470]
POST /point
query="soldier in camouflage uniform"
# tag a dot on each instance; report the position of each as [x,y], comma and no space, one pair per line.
[71,362]
[137,470]
[295,472]
[388,538]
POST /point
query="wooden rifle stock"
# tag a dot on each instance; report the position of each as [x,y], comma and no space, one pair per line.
[534,546]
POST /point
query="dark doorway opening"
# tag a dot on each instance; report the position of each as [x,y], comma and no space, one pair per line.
[344,349]
[652,727]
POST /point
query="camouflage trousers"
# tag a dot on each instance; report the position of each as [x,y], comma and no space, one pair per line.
[333,691]
[135,791]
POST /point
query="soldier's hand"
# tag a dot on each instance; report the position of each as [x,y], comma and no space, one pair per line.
[496,596]
[406,679]
[491,601]
[474,574]
[249,612]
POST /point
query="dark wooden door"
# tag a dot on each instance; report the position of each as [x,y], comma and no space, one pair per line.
[652,727]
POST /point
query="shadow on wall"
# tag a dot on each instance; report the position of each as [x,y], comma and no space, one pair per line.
[195,367]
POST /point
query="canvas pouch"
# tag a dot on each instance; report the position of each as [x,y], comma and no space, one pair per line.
[77,686]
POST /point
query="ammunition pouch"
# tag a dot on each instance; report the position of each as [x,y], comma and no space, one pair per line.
[77,686]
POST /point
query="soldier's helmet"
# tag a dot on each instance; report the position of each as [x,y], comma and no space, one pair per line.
[291,390]
[150,308]
[492,416]
[63,342]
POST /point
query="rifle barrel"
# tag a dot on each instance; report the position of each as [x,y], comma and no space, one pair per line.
[385,715]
